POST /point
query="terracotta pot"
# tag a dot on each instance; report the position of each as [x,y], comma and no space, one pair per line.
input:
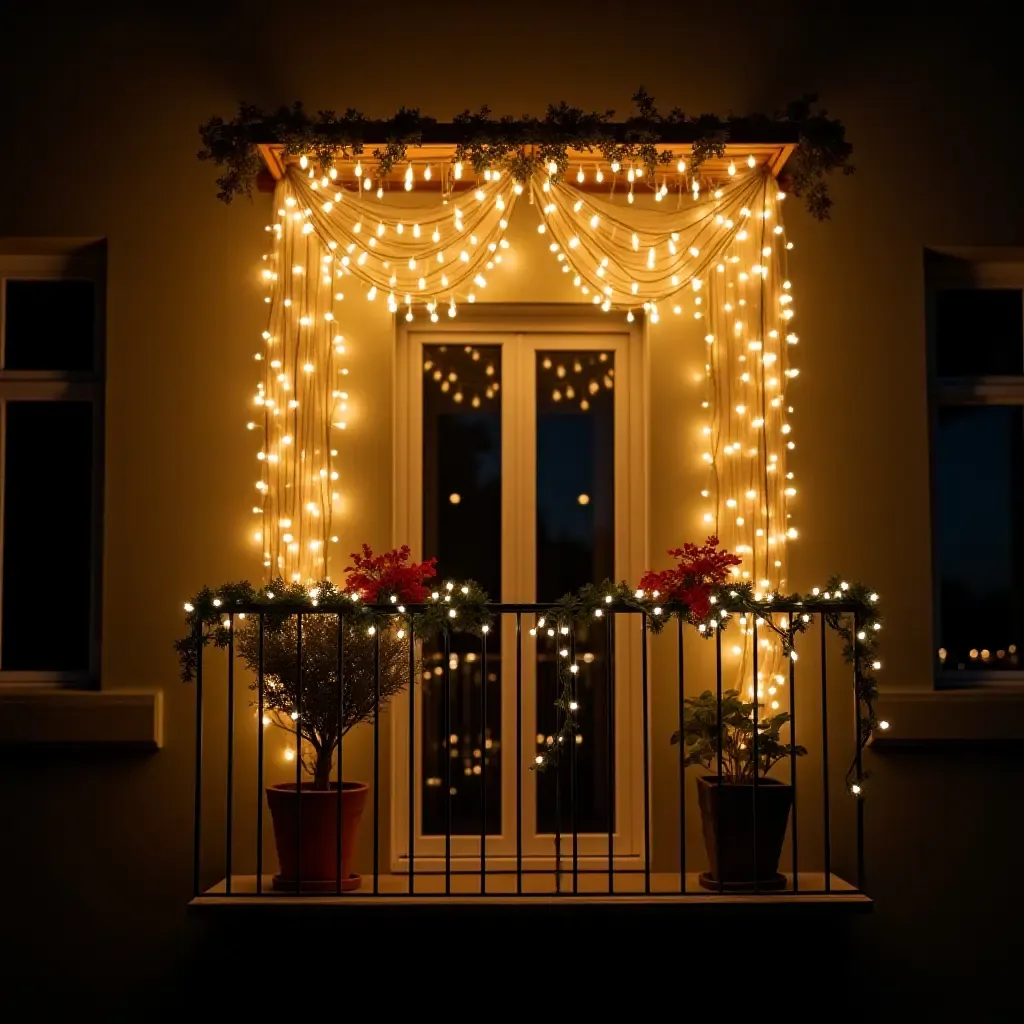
[319,834]
[727,819]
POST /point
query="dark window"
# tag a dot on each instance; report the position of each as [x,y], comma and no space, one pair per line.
[49,325]
[575,545]
[979,332]
[47,536]
[462,527]
[979,464]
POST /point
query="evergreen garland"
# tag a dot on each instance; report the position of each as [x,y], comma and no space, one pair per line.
[208,618]
[522,145]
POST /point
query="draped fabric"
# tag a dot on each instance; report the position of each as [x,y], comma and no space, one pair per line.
[715,254]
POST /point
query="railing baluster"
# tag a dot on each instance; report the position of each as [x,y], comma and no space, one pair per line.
[483,764]
[610,664]
[412,757]
[339,808]
[792,766]
[824,756]
[198,794]
[647,753]
[857,754]
[229,808]
[260,684]
[721,734]
[558,783]
[682,760]
[446,676]
[574,765]
[519,753]
[376,762]
[756,762]
[298,754]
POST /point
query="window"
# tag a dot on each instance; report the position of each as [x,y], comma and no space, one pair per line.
[976,355]
[51,432]
[519,465]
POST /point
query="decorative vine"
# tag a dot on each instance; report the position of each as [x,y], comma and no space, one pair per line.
[522,145]
[463,607]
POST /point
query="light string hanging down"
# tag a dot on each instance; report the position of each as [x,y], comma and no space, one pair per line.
[301,402]
[715,253]
[718,258]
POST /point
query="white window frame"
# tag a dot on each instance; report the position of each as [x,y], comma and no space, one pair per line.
[22,259]
[967,269]
[523,330]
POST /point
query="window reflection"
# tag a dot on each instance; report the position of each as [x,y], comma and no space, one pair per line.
[980,491]
[575,545]
[47,534]
[462,527]
[979,332]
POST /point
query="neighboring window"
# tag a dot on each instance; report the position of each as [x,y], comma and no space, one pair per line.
[51,429]
[976,328]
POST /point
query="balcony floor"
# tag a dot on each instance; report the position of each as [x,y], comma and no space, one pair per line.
[539,891]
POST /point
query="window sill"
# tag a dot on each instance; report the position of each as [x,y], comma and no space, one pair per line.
[118,719]
[978,715]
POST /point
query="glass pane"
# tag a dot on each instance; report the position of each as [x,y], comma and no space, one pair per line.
[980,493]
[575,545]
[49,325]
[979,332]
[462,527]
[47,536]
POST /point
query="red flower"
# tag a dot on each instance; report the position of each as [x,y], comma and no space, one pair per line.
[698,571]
[375,576]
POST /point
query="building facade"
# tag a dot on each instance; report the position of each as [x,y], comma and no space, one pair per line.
[100,169]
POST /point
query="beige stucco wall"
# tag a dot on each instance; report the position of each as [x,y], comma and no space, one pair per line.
[99,142]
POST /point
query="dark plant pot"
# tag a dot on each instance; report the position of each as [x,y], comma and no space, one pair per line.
[727,819]
[319,834]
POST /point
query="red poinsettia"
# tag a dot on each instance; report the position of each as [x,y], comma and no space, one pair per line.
[699,569]
[374,577]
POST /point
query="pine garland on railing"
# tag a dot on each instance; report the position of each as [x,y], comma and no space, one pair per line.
[522,145]
[457,608]
[463,607]
[858,629]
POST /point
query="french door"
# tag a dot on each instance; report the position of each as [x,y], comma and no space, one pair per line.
[520,464]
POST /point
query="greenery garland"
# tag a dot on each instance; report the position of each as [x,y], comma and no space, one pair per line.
[208,614]
[463,607]
[522,145]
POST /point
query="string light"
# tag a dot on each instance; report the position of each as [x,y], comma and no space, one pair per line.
[450,249]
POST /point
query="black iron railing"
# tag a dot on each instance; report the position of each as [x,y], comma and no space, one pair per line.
[223,868]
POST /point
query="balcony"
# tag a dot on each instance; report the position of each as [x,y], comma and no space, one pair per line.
[496,777]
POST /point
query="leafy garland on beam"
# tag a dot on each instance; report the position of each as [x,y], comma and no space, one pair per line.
[521,146]
[463,608]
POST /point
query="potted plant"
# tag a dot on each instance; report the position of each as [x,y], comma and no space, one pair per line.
[743,832]
[367,649]
[317,732]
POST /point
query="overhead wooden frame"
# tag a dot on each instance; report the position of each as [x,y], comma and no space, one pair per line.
[439,156]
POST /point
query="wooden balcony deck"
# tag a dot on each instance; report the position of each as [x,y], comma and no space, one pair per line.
[539,892]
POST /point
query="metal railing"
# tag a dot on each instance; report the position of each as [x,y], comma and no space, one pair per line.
[567,869]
